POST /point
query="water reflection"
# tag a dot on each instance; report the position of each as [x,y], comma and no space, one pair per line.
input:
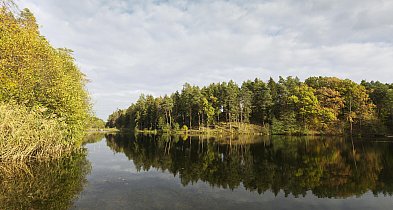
[51,185]
[326,167]
[188,173]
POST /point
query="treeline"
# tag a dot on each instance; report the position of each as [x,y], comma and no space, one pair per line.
[319,105]
[41,88]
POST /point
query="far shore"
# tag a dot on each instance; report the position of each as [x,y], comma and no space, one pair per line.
[236,129]
[103,130]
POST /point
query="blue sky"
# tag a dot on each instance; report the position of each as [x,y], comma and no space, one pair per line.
[131,47]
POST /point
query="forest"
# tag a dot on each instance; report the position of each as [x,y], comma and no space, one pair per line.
[316,106]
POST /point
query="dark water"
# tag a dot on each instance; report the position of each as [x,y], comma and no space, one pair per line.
[128,172]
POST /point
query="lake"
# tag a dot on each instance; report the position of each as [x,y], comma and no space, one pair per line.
[124,171]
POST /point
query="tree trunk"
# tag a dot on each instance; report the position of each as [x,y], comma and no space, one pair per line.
[199,121]
[170,119]
[350,116]
[190,118]
[166,117]
[203,119]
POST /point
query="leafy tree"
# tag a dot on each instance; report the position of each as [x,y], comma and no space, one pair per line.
[208,110]
[306,104]
[381,95]
[96,123]
[35,74]
[331,104]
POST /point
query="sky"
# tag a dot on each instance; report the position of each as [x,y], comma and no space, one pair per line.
[129,47]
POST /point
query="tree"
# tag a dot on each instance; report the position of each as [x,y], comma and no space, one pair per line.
[358,107]
[245,104]
[380,94]
[331,103]
[306,104]
[262,102]
[232,101]
[28,21]
[191,97]
[34,74]
[208,110]
[167,106]
[389,105]
[96,123]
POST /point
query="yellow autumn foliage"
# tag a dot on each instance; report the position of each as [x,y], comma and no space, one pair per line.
[36,76]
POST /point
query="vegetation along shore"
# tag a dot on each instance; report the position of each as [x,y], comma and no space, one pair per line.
[316,106]
[44,104]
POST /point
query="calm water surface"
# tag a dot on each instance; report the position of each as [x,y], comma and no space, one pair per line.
[242,173]
[149,172]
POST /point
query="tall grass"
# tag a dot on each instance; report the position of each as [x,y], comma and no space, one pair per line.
[32,134]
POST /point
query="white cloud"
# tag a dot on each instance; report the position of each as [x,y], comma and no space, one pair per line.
[130,47]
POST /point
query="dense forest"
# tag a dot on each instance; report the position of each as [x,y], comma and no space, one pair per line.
[318,105]
[44,105]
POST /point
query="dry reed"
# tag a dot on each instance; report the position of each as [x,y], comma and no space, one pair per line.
[31,134]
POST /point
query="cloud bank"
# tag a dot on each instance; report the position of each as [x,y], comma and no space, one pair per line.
[128,47]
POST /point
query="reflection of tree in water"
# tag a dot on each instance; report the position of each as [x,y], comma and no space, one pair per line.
[51,185]
[93,138]
[327,167]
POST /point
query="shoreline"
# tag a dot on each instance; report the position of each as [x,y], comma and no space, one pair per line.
[209,131]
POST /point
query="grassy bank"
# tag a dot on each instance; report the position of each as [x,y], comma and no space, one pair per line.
[102,130]
[28,134]
[252,129]
[219,129]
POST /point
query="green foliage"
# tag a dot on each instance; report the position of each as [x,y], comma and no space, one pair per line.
[320,105]
[382,96]
[34,74]
[95,123]
[208,110]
